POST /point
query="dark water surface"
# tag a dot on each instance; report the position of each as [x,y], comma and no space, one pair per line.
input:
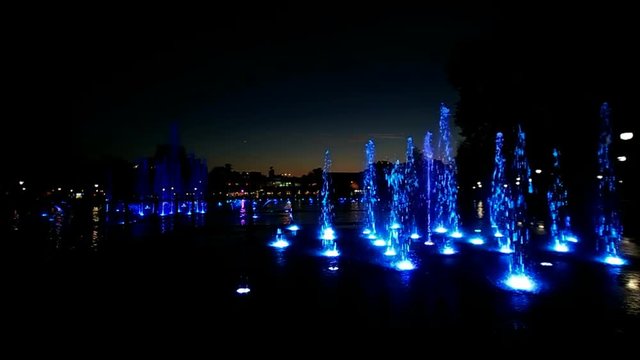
[183,272]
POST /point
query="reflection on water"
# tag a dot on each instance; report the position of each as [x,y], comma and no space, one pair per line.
[167,224]
[479,206]
[96,231]
[631,282]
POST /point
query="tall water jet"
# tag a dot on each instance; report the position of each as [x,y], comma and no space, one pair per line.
[499,203]
[518,224]
[370,190]
[608,225]
[517,231]
[327,233]
[410,188]
[447,218]
[560,222]
[398,242]
[429,175]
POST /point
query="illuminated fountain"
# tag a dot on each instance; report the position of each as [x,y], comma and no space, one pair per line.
[560,224]
[523,185]
[447,219]
[499,203]
[327,233]
[429,175]
[411,191]
[370,194]
[398,242]
[608,226]
[518,276]
[280,241]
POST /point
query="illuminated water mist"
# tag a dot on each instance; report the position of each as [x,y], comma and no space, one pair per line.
[370,191]
[398,242]
[608,226]
[499,203]
[411,190]
[327,233]
[446,214]
[560,224]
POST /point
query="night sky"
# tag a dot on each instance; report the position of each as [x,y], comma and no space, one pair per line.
[254,87]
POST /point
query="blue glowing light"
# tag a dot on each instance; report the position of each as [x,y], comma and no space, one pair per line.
[429,243]
[280,243]
[328,234]
[366,232]
[372,237]
[571,238]
[405,265]
[333,267]
[448,250]
[476,241]
[498,234]
[546,263]
[560,247]
[505,249]
[293,227]
[440,229]
[379,242]
[415,236]
[520,282]
[614,260]
[394,226]
[477,230]
[44,214]
[390,252]
[331,253]
[456,234]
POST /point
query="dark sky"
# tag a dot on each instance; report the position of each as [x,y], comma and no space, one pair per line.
[254,87]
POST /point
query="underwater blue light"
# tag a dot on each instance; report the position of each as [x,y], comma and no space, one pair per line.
[559,247]
[477,230]
[614,260]
[505,249]
[415,236]
[395,226]
[498,234]
[280,243]
[520,282]
[456,234]
[546,263]
[390,252]
[448,250]
[379,242]
[429,243]
[476,241]
[366,232]
[333,268]
[571,238]
[331,253]
[293,227]
[405,265]
[372,237]
[440,230]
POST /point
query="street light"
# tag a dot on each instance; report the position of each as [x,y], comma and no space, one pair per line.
[626,135]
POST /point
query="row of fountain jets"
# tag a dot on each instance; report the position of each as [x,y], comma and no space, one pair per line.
[507,205]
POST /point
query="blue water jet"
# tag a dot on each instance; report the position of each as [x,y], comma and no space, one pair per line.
[608,225]
[370,191]
[560,224]
[429,176]
[500,201]
[327,233]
